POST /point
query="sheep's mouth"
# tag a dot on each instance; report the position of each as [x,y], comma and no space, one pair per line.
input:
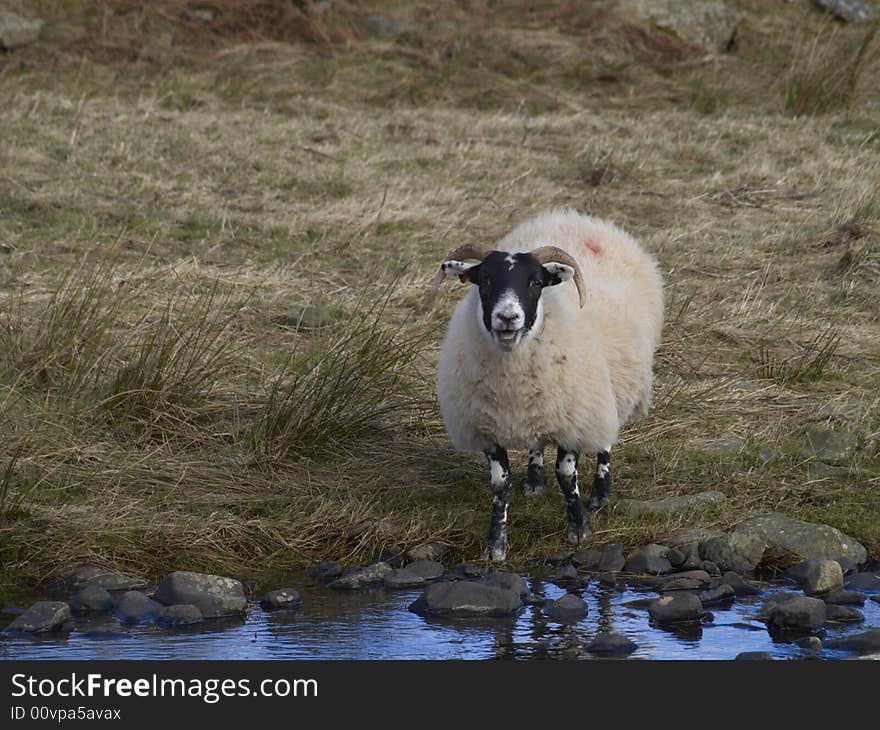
[508,337]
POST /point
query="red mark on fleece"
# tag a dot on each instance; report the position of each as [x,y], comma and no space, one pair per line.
[592,246]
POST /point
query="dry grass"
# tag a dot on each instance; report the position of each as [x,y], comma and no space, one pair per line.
[161,217]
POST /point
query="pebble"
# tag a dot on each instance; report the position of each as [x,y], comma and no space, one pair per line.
[867,581]
[676,607]
[135,607]
[754,656]
[403,578]
[468,570]
[799,613]
[41,618]
[281,598]
[611,643]
[843,615]
[821,576]
[326,570]
[649,560]
[740,587]
[863,643]
[215,595]
[466,599]
[813,643]
[431,551]
[92,599]
[612,560]
[847,598]
[427,569]
[587,558]
[720,594]
[182,614]
[361,577]
[568,608]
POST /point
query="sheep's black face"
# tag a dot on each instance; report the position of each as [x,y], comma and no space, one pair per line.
[510,286]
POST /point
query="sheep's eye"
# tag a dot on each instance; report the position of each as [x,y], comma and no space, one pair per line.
[536,285]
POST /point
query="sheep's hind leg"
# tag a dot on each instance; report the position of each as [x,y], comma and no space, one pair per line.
[499,479]
[566,475]
[536,477]
[601,491]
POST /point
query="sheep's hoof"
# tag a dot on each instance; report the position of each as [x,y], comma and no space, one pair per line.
[597,502]
[578,534]
[533,490]
[496,553]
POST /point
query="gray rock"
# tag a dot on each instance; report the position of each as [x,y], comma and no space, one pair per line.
[214,595]
[182,614]
[831,445]
[431,551]
[611,643]
[690,536]
[565,575]
[427,569]
[671,505]
[677,583]
[403,578]
[844,598]
[326,570]
[851,11]
[725,446]
[609,580]
[393,555]
[711,568]
[557,558]
[676,558]
[820,468]
[466,599]
[691,553]
[16,31]
[876,599]
[281,598]
[649,560]
[774,600]
[363,577]
[468,570]
[79,577]
[507,582]
[719,594]
[612,559]
[864,643]
[812,643]
[767,455]
[381,26]
[807,614]
[676,607]
[587,558]
[843,615]
[135,607]
[762,656]
[821,576]
[785,537]
[310,317]
[568,608]
[43,617]
[866,581]
[92,599]
[740,587]
[739,552]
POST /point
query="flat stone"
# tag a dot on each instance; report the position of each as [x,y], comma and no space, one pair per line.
[568,608]
[16,31]
[431,551]
[850,11]
[557,558]
[866,581]
[676,607]
[43,617]
[507,582]
[649,560]
[359,578]
[724,446]
[831,445]
[863,643]
[844,598]
[612,560]
[403,578]
[842,614]
[92,599]
[181,614]
[134,607]
[566,574]
[326,570]
[812,643]
[680,584]
[78,577]
[761,656]
[609,580]
[785,538]
[611,643]
[733,551]
[690,536]
[717,595]
[676,558]
[586,558]
[214,595]
[281,598]
[468,570]
[711,568]
[797,613]
[820,468]
[671,505]
[740,587]
[466,599]
[427,569]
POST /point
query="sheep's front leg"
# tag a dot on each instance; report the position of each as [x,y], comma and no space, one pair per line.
[566,475]
[499,480]
[601,491]
[536,477]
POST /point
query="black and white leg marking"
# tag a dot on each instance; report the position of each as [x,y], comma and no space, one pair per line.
[499,480]
[536,477]
[601,492]
[566,475]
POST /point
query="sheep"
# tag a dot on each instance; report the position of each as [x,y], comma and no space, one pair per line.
[527,363]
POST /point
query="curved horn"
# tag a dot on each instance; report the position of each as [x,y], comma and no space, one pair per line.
[466,251]
[545,254]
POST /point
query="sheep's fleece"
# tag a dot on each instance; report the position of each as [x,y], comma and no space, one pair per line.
[584,374]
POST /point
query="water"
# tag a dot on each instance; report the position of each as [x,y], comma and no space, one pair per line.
[376,624]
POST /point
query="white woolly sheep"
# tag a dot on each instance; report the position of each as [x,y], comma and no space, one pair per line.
[526,363]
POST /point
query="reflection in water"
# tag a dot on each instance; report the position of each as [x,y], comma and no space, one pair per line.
[377,625]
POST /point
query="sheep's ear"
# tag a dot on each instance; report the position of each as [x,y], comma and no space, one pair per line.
[465,272]
[555,273]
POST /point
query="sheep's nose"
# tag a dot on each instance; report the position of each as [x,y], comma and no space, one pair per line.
[508,318]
